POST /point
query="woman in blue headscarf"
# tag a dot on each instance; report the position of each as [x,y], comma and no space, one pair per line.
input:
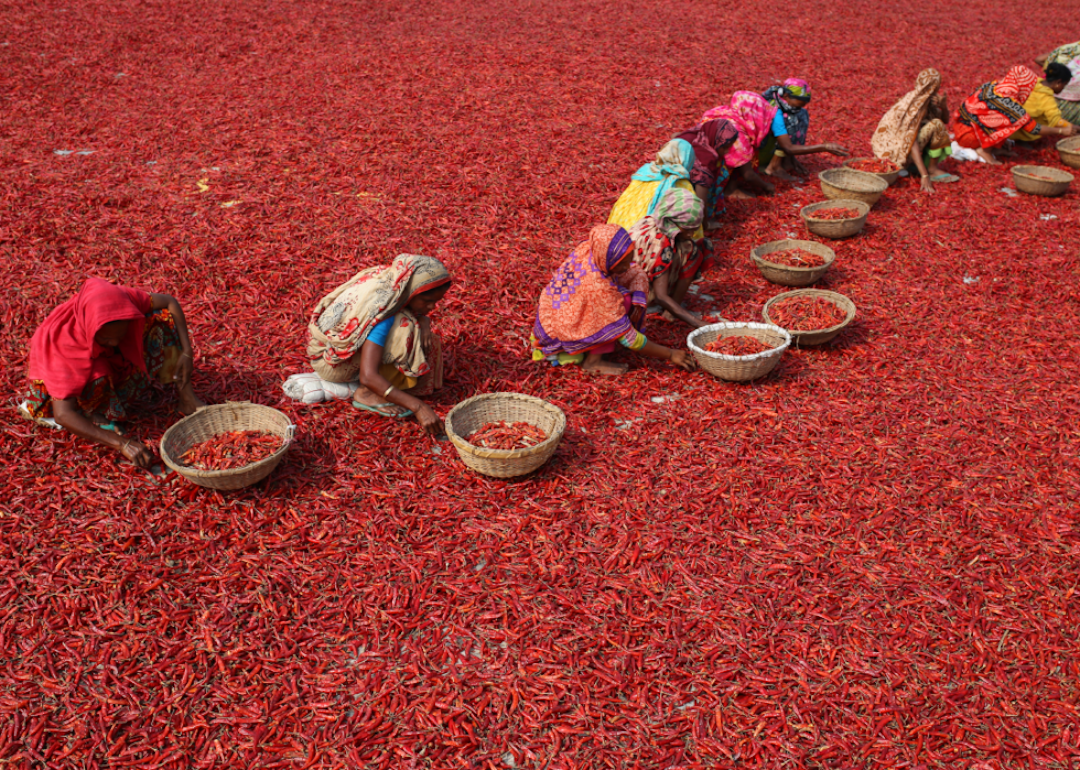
[790,126]
[670,170]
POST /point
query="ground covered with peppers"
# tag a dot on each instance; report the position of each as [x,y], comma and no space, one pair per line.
[867,559]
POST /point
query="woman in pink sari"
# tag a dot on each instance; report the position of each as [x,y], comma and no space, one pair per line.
[752,117]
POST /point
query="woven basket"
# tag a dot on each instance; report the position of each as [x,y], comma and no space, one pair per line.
[1069,151]
[791,276]
[738,368]
[815,336]
[852,185]
[888,176]
[475,412]
[839,228]
[214,420]
[1025,180]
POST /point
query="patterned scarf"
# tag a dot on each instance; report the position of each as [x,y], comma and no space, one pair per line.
[797,119]
[672,163]
[752,117]
[583,305]
[996,110]
[710,141]
[655,236]
[342,320]
[897,130]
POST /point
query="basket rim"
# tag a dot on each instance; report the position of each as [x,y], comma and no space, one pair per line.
[504,454]
[739,325]
[1069,144]
[824,293]
[835,203]
[1018,171]
[187,470]
[830,257]
[870,175]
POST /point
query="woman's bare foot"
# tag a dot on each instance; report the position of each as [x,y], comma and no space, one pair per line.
[188,402]
[594,364]
[988,156]
[776,171]
[367,398]
[739,195]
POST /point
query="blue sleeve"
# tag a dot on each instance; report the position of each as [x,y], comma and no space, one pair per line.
[779,127]
[381,331]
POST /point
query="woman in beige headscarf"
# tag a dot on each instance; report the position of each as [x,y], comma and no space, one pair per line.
[914,131]
[372,334]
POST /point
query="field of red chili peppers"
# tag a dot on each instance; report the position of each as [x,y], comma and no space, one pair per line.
[868,559]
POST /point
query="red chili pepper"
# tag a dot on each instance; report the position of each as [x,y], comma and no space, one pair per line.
[795,258]
[234,449]
[834,213]
[737,345]
[873,166]
[804,314]
[506,435]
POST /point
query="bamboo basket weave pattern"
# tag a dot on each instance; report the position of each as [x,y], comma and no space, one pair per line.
[814,336]
[1026,179]
[853,185]
[785,275]
[888,176]
[1069,151]
[838,228]
[738,368]
[478,411]
[214,420]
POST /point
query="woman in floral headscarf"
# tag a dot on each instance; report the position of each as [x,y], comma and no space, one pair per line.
[670,171]
[1068,99]
[752,117]
[584,311]
[710,139]
[371,338]
[996,111]
[789,128]
[914,130]
[665,255]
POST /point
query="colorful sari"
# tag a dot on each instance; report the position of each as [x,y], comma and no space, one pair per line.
[710,140]
[670,170]
[752,117]
[342,320]
[996,111]
[583,307]
[657,247]
[899,127]
[796,119]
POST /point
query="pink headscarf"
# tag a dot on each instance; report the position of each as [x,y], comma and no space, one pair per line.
[63,353]
[752,116]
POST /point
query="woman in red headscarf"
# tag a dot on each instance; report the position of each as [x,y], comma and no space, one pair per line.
[96,353]
[996,111]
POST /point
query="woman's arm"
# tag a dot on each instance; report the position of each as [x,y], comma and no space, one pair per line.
[790,148]
[1066,130]
[660,289]
[370,361]
[67,414]
[680,358]
[187,356]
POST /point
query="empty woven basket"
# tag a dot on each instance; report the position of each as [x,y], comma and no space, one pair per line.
[1041,180]
[738,368]
[835,228]
[1069,151]
[214,420]
[478,411]
[814,336]
[852,185]
[786,275]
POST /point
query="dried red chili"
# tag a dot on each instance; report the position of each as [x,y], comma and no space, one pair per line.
[506,435]
[837,212]
[795,258]
[233,449]
[806,313]
[873,165]
[742,345]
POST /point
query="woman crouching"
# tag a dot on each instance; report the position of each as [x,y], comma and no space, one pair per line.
[94,356]
[372,336]
[585,310]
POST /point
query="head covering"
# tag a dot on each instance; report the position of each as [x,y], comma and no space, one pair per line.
[996,111]
[655,236]
[796,119]
[342,320]
[582,305]
[710,141]
[63,353]
[898,128]
[672,163]
[752,116]
[1069,55]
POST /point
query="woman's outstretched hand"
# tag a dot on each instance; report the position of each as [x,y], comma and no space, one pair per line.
[683,360]
[837,149]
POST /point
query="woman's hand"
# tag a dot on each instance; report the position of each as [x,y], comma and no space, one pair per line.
[427,337]
[683,360]
[137,453]
[836,149]
[926,184]
[184,367]
[429,421]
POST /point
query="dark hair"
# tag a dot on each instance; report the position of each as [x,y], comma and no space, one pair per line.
[1058,72]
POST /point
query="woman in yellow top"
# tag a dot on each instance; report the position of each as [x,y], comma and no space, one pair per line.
[1068,99]
[670,170]
[1043,104]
